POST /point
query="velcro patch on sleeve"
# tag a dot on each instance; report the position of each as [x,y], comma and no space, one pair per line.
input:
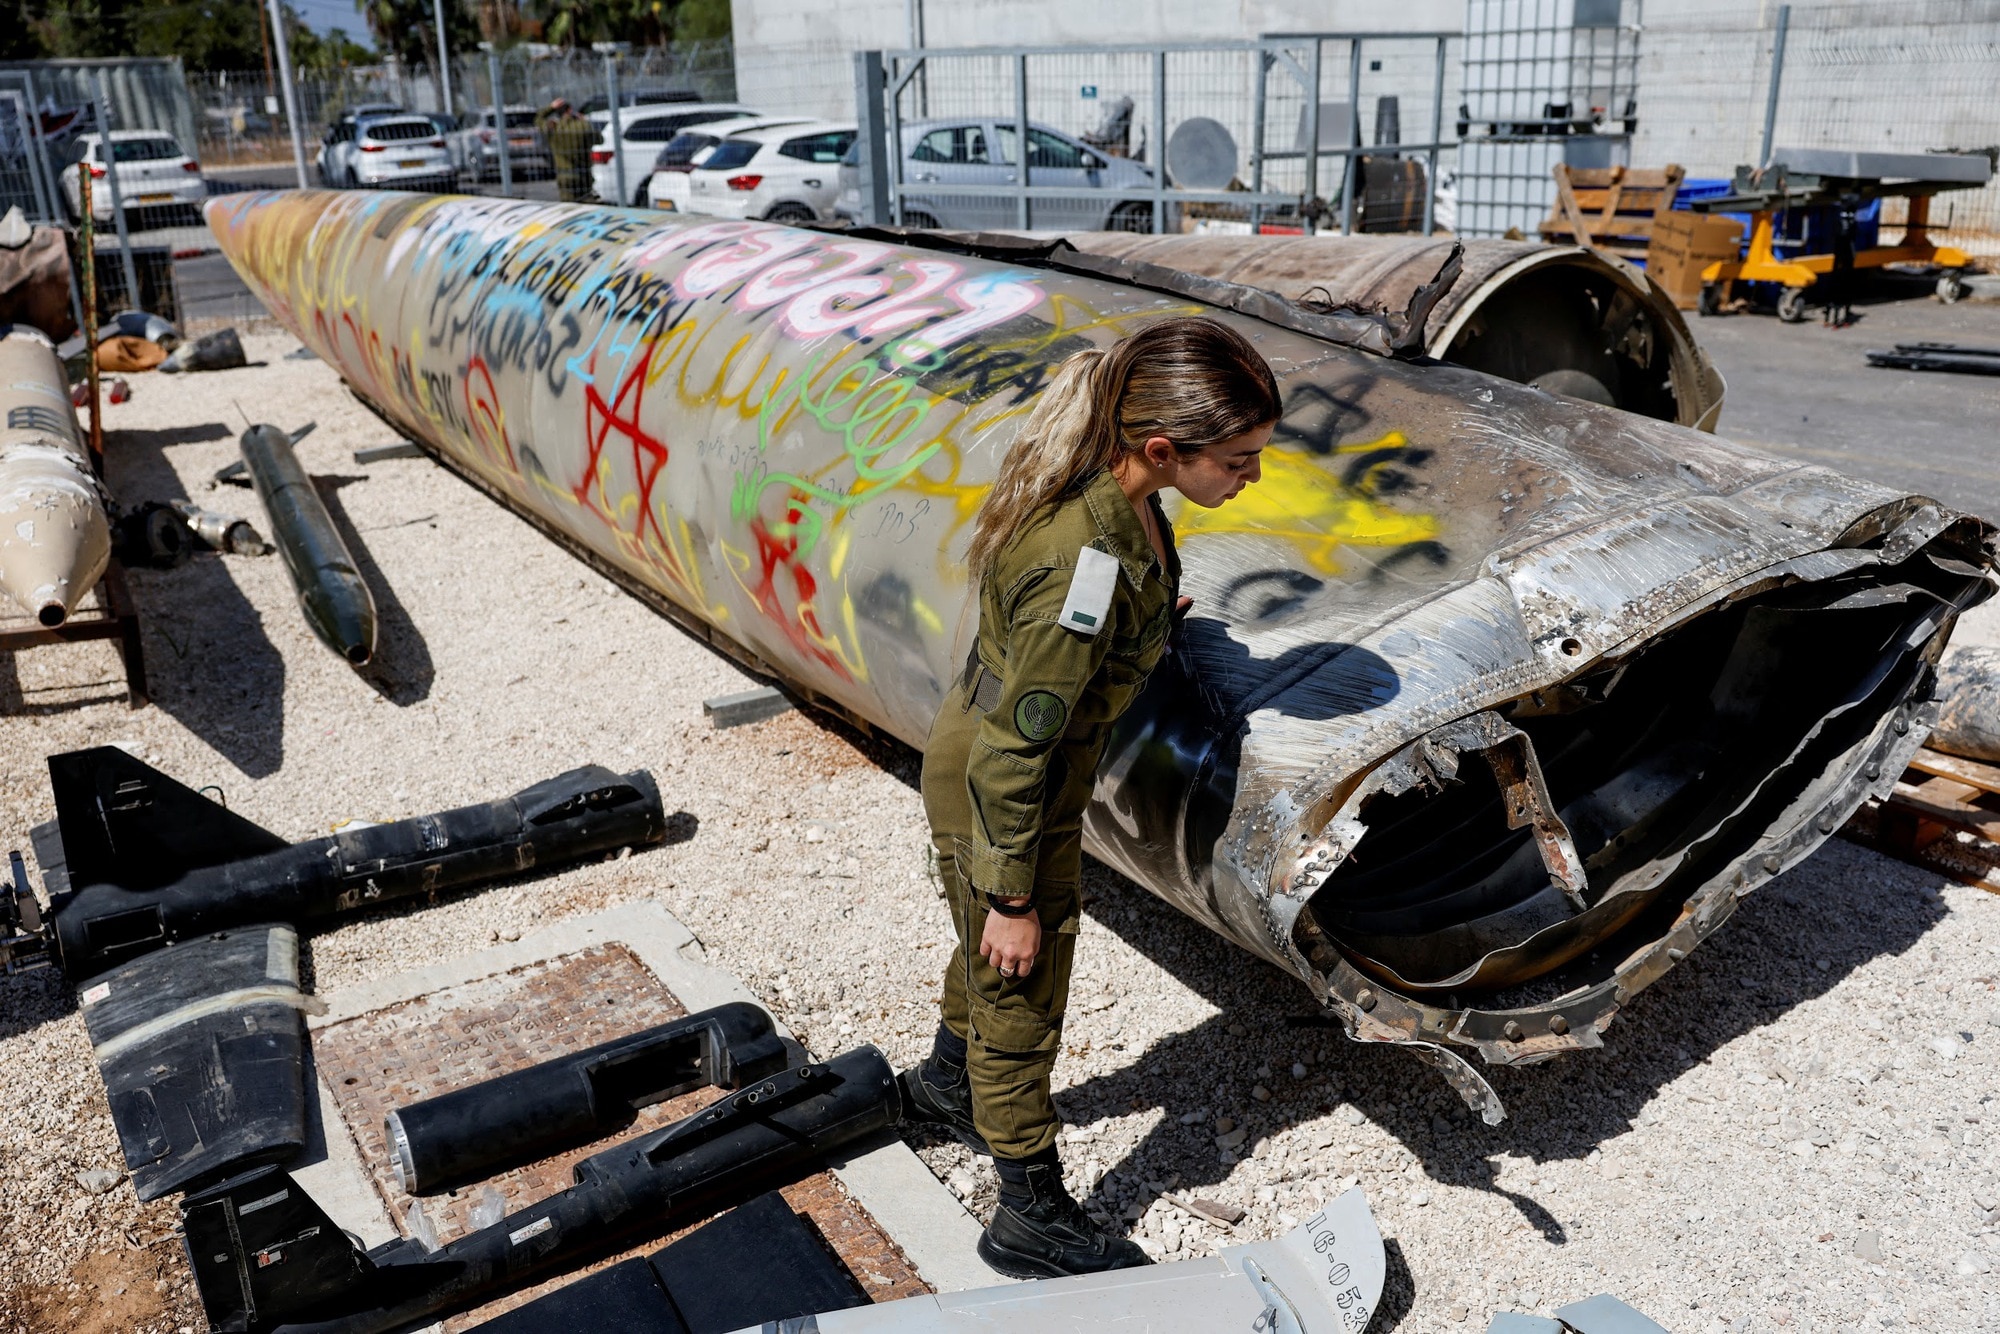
[1090,587]
[1040,714]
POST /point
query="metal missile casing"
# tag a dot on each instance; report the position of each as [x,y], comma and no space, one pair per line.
[1563,318]
[54,539]
[266,1257]
[471,1133]
[1470,655]
[334,596]
[144,861]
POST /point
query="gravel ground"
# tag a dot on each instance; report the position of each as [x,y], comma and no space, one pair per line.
[1794,1130]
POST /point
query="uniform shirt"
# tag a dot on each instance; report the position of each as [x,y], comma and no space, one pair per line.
[570,139]
[1033,761]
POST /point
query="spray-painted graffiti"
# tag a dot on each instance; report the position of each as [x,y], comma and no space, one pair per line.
[763,422]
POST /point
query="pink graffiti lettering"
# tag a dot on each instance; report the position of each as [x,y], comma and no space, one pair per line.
[720,267]
[782,282]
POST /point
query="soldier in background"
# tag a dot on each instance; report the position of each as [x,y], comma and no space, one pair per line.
[570,138]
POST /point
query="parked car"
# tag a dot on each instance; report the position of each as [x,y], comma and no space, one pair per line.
[668,188]
[153,172]
[788,173]
[449,129]
[399,152]
[981,152]
[527,151]
[598,108]
[331,161]
[644,132]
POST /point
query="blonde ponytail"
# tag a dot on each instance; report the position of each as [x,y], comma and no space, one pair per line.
[1191,380]
[1066,439]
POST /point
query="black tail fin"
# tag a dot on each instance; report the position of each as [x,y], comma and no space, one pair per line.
[125,823]
[264,1253]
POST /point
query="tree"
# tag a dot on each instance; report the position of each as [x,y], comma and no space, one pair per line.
[407,30]
[205,34]
[22,36]
[575,23]
[333,51]
[701,20]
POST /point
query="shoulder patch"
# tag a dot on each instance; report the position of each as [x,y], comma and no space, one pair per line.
[1039,715]
[1090,587]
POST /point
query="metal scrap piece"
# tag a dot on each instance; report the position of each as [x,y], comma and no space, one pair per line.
[1434,552]
[1605,1314]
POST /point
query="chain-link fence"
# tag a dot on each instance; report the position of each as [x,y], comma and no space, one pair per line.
[1290,132]
[241,112]
[60,119]
[1915,76]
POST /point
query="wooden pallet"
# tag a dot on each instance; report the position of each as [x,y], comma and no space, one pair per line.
[110,613]
[1944,815]
[1610,209]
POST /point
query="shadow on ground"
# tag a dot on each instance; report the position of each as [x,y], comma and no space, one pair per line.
[208,660]
[1846,907]
[401,670]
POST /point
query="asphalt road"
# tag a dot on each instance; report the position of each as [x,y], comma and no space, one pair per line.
[1807,392]
[1801,390]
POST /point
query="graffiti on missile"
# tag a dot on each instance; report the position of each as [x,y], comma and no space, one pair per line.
[759,419]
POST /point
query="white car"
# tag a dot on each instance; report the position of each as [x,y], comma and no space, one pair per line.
[644,131]
[668,188]
[785,174]
[152,170]
[400,152]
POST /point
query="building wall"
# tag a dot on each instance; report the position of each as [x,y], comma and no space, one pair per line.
[1911,76]
[1916,74]
[797,55]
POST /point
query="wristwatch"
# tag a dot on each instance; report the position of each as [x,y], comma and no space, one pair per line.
[1006,909]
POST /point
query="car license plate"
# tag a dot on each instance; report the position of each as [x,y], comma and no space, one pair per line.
[156,199]
[520,143]
[668,205]
[411,162]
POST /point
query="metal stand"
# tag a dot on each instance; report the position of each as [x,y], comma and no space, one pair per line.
[115,616]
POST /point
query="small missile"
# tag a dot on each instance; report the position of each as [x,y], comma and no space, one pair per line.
[54,540]
[337,603]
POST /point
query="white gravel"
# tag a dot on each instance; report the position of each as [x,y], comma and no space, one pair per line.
[1793,1131]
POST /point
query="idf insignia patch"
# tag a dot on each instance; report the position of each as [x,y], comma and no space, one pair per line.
[1039,715]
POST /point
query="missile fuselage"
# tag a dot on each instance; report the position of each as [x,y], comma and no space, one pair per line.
[54,540]
[784,435]
[332,593]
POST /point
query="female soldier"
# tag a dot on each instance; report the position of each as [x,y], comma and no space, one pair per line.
[1078,580]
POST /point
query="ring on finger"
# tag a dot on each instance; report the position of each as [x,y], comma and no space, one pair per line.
[1006,972]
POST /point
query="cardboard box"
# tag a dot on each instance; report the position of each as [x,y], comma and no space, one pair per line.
[1683,245]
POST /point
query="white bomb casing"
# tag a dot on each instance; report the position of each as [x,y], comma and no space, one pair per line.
[54,539]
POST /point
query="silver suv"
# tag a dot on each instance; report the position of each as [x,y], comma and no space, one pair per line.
[982,152]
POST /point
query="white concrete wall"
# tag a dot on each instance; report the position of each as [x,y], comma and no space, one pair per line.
[1915,74]
[797,55]
[1902,77]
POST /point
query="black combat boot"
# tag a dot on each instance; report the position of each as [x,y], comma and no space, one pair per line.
[1039,1231]
[939,1094]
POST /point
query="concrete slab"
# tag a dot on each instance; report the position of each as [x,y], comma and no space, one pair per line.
[910,1205]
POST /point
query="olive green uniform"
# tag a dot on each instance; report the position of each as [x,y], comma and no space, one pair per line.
[570,139]
[1010,766]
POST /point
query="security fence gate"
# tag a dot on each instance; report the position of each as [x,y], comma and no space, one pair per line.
[1291,132]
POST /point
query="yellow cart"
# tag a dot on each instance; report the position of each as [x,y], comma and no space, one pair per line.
[1811,178]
